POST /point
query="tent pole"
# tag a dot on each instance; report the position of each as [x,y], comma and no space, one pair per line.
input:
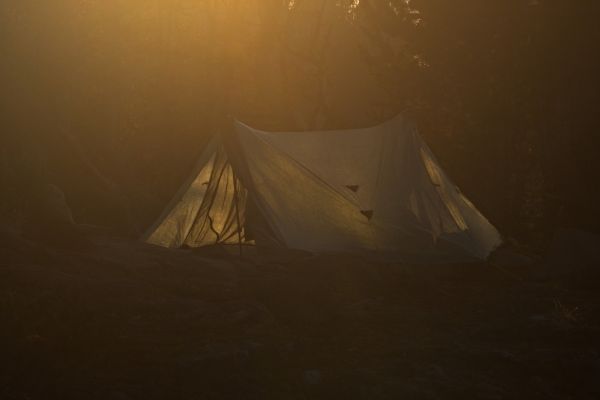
[237,212]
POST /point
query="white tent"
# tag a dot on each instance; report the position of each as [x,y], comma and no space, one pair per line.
[375,190]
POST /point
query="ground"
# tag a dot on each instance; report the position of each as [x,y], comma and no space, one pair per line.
[116,319]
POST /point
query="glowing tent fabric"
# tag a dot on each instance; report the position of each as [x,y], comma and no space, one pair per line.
[374,190]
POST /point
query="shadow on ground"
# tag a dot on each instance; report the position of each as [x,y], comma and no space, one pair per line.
[121,320]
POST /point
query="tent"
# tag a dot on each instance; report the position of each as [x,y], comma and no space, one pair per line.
[377,190]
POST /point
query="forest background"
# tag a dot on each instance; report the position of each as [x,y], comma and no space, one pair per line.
[113,100]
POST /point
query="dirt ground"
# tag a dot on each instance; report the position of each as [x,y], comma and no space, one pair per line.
[122,320]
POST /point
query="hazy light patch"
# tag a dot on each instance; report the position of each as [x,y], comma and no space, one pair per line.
[420,61]
[291,4]
[413,13]
[352,8]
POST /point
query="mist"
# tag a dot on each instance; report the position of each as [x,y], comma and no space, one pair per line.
[107,106]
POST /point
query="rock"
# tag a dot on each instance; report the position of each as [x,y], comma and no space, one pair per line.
[50,220]
[312,377]
[363,308]
[118,396]
[507,258]
[539,318]
[55,205]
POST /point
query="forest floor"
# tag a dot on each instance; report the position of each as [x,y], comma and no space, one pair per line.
[121,320]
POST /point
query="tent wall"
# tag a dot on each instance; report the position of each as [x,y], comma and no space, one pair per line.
[210,207]
[377,189]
